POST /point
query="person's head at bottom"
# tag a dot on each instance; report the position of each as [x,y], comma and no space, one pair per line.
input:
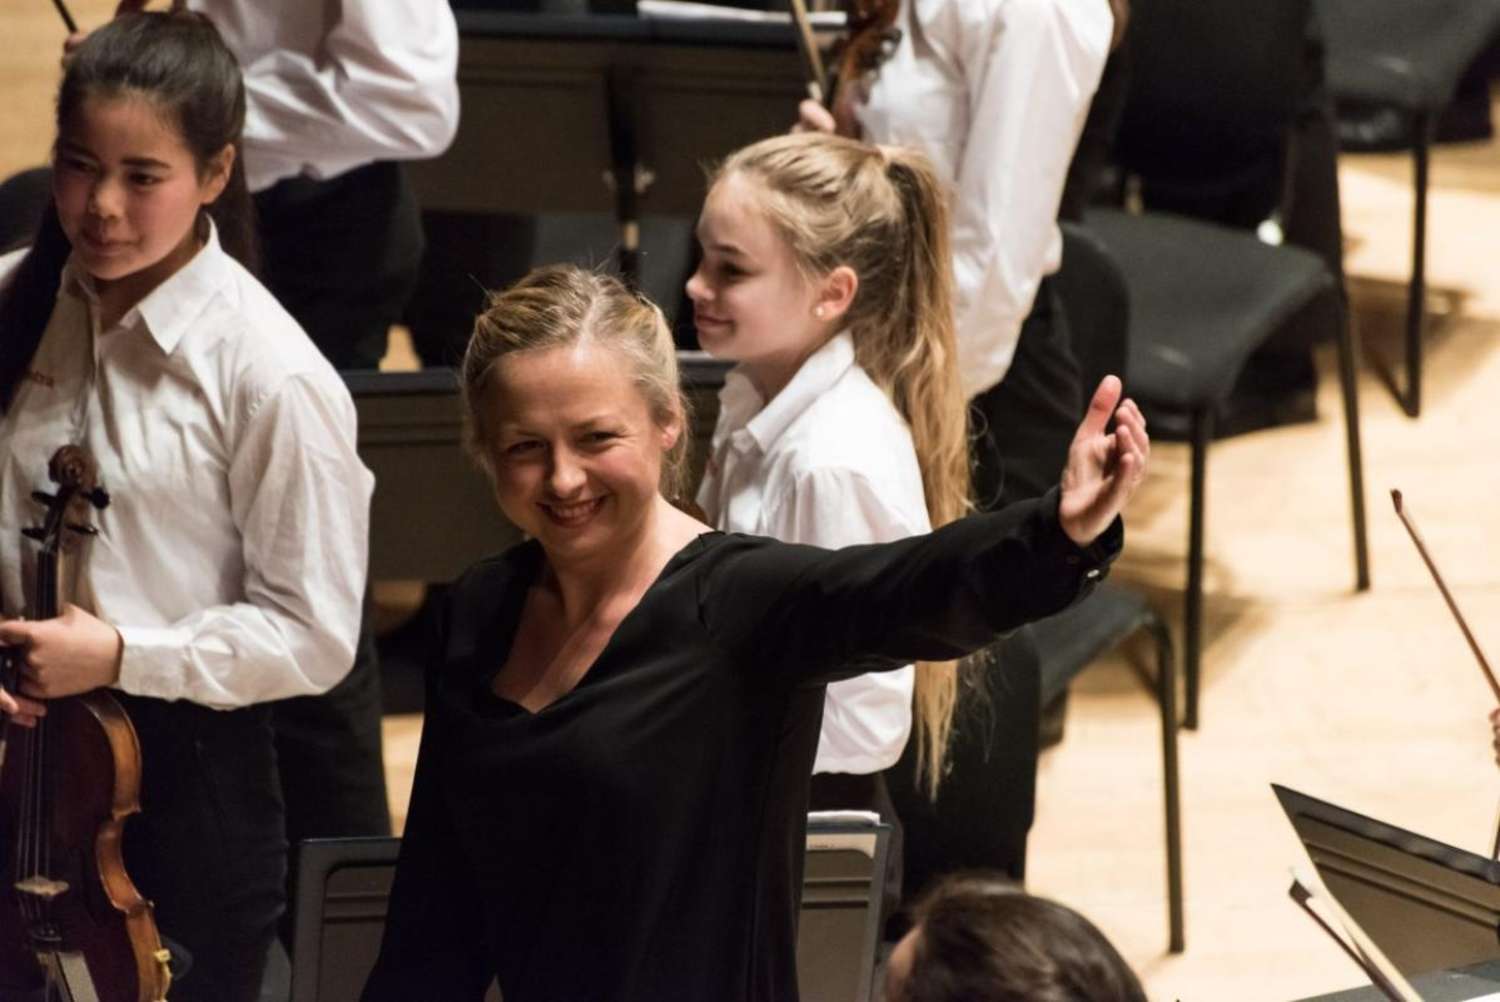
[980,938]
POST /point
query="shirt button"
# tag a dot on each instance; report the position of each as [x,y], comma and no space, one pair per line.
[1092,575]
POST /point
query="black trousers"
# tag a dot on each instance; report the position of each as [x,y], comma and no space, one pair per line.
[328,751]
[467,255]
[209,846]
[1025,424]
[342,256]
[987,799]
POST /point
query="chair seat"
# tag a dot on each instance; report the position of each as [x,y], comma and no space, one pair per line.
[1070,641]
[1406,53]
[1202,298]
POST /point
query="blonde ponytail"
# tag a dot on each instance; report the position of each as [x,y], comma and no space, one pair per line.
[883,213]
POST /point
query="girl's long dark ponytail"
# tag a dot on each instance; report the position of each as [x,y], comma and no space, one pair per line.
[27,300]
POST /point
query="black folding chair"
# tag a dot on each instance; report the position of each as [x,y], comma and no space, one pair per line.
[1215,88]
[1202,297]
[1407,56]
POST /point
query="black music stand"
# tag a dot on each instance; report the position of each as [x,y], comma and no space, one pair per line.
[843,886]
[343,886]
[1428,906]
[606,114]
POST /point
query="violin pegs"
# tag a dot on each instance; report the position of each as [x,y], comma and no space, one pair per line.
[40,535]
[42,497]
[99,498]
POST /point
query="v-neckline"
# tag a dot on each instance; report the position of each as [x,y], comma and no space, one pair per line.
[503,636]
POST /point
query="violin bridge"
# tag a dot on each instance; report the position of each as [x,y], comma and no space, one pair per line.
[42,887]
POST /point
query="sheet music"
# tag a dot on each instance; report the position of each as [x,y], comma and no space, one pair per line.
[682,10]
[845,817]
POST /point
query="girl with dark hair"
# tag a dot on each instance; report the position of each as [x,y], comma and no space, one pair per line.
[980,938]
[229,569]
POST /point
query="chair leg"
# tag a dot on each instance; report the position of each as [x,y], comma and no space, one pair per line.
[1192,619]
[1349,386]
[1166,695]
[1416,295]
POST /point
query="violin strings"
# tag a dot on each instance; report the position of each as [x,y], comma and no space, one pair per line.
[44,814]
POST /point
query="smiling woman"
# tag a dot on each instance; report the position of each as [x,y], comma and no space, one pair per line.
[622,712]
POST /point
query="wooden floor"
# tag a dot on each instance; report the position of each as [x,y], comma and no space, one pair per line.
[1371,700]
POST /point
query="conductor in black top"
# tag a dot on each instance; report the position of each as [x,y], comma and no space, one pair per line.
[622,712]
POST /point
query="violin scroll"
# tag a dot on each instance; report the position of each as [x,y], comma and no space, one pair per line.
[76,475]
[872,37]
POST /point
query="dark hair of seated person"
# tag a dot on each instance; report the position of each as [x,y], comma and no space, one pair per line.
[980,938]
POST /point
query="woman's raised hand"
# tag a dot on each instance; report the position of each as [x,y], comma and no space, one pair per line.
[1104,467]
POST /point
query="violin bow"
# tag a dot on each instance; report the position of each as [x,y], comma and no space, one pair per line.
[1416,537]
[1484,665]
[812,58]
[67,17]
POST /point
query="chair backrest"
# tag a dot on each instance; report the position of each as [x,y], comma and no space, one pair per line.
[1213,84]
[343,886]
[838,928]
[1096,303]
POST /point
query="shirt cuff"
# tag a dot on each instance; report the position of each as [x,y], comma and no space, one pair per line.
[1091,562]
[150,661]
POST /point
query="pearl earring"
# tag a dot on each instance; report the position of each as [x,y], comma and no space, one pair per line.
[818,313]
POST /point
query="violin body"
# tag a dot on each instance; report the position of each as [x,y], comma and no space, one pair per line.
[90,757]
[73,926]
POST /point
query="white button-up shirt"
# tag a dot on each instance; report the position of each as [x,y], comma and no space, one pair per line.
[232,555]
[828,461]
[333,86]
[995,92]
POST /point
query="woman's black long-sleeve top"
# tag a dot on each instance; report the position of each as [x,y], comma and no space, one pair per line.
[641,837]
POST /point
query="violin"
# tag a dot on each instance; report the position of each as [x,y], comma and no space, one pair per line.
[870,36]
[72,924]
[869,40]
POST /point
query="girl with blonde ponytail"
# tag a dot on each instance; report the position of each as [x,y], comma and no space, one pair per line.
[826,275]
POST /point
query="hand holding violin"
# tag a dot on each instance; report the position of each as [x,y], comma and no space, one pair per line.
[74,653]
[1104,467]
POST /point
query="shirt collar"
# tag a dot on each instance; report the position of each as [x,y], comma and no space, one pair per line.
[169,309]
[767,422]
